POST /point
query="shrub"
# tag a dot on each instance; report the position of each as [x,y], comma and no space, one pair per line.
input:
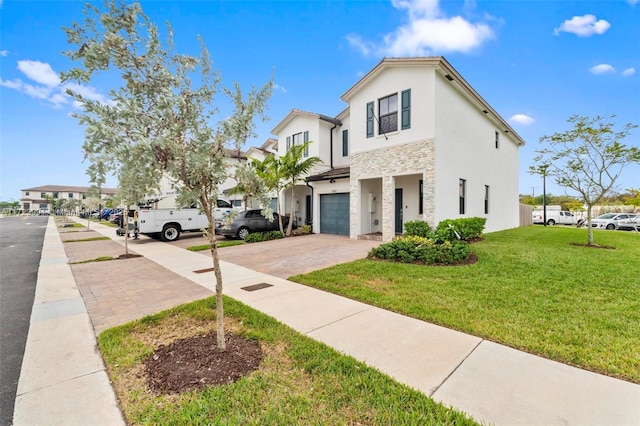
[464,229]
[418,228]
[257,237]
[413,248]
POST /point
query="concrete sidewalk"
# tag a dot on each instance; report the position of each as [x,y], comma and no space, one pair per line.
[491,382]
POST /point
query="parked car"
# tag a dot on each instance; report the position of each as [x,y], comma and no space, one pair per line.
[554,217]
[609,220]
[247,222]
[632,223]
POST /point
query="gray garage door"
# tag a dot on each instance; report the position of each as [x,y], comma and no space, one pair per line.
[334,213]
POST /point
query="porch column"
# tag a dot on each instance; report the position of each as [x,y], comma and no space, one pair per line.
[388,209]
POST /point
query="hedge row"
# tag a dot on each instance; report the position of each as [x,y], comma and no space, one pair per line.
[257,237]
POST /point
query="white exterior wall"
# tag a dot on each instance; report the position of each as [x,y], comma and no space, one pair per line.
[338,159]
[318,134]
[465,149]
[390,81]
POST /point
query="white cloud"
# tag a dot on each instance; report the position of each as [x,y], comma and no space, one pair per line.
[39,72]
[49,87]
[4,52]
[427,31]
[602,69]
[523,119]
[583,26]
[277,86]
[633,2]
[629,72]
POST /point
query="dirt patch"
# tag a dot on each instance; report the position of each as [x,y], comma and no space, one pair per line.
[596,246]
[128,256]
[195,362]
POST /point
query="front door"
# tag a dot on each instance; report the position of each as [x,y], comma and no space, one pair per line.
[398,211]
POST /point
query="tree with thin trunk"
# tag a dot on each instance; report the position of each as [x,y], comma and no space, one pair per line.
[295,166]
[251,186]
[588,158]
[158,121]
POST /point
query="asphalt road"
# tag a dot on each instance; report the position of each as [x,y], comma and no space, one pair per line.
[21,240]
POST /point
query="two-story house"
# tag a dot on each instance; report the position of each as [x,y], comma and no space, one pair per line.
[415,142]
[44,197]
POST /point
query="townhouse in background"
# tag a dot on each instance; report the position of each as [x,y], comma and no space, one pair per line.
[42,197]
[416,141]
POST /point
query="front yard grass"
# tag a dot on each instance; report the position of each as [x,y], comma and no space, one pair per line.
[300,381]
[531,289]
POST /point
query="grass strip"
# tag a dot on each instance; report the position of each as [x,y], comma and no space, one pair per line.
[300,381]
[97,259]
[88,239]
[220,245]
[532,289]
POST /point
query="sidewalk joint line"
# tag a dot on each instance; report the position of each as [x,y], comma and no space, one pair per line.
[340,319]
[456,368]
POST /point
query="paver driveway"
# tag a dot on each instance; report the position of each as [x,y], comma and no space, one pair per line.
[293,255]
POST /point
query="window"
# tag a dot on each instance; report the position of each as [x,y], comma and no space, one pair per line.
[497,139]
[26,194]
[388,109]
[306,148]
[345,143]
[55,195]
[288,143]
[43,194]
[406,109]
[84,196]
[486,199]
[297,139]
[420,197]
[71,195]
[463,194]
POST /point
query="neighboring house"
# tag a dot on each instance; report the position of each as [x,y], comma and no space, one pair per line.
[167,197]
[415,142]
[42,197]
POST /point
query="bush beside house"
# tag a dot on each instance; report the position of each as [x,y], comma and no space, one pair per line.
[447,244]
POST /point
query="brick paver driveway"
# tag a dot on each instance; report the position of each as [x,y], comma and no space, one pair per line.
[290,256]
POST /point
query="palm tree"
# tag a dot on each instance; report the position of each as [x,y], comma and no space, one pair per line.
[271,171]
[294,167]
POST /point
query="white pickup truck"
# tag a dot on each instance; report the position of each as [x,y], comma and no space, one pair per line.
[555,217]
[167,224]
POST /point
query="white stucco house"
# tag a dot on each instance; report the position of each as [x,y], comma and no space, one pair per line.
[416,141]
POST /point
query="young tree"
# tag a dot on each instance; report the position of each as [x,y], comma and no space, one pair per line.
[158,120]
[251,186]
[294,167]
[588,158]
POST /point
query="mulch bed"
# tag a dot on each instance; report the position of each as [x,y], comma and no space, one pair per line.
[195,362]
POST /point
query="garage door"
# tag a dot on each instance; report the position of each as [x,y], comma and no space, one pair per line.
[334,213]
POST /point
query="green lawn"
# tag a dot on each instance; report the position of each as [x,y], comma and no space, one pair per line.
[299,381]
[531,289]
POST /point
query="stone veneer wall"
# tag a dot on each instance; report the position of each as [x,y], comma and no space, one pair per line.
[386,163]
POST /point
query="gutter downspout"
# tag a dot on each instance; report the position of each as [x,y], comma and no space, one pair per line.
[331,146]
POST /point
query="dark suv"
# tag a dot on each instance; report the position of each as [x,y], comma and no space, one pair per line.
[247,222]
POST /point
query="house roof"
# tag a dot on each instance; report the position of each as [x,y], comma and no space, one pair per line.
[446,70]
[337,173]
[299,113]
[66,188]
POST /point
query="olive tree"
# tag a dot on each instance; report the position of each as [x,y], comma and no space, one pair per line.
[588,158]
[158,122]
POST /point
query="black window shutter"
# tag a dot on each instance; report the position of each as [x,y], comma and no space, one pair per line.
[370,119]
[345,143]
[406,109]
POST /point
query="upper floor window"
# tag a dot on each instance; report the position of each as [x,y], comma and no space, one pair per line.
[345,143]
[388,109]
[497,139]
[55,195]
[26,194]
[43,194]
[299,139]
[486,199]
[84,196]
[462,195]
[71,195]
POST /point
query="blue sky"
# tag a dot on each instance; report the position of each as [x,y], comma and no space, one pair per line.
[536,62]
